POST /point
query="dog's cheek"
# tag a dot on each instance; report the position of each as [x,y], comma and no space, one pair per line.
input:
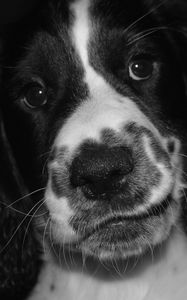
[174,149]
[60,214]
[166,222]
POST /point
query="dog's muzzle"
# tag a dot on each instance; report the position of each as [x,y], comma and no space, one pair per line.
[114,197]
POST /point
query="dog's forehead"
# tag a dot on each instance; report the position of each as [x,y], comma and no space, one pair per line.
[120,13]
[81,34]
[90,20]
[100,31]
[81,28]
[102,102]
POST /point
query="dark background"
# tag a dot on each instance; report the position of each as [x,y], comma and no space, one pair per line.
[11,10]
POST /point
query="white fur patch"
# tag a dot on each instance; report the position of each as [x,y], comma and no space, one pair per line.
[163,278]
[104,108]
[60,214]
[96,114]
[160,192]
[81,28]
[81,32]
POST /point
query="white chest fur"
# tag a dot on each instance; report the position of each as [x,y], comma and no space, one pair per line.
[163,277]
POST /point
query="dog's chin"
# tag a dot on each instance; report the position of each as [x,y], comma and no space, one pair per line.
[123,241]
[111,243]
[121,238]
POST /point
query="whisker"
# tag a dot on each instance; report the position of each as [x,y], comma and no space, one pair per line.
[72,261]
[84,267]
[126,265]
[150,247]
[166,27]
[117,268]
[44,234]
[103,264]
[60,255]
[148,30]
[185,197]
[32,216]
[18,227]
[51,242]
[21,212]
[180,154]
[64,255]
[145,33]
[44,166]
[14,209]
[145,15]
[45,153]
[135,262]
[25,196]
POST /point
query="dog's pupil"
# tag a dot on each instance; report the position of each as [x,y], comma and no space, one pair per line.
[36,96]
[142,69]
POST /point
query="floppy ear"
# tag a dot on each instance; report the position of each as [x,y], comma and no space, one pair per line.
[19,255]
[19,249]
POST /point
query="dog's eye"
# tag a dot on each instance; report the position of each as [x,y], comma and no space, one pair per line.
[34,95]
[141,69]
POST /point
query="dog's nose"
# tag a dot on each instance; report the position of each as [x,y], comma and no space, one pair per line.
[100,169]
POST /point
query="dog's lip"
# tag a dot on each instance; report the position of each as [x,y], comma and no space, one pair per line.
[154,210]
[120,220]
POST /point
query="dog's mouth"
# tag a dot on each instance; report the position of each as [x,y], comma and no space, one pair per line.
[121,219]
[118,218]
[122,235]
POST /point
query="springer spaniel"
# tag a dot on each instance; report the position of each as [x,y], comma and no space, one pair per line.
[95,109]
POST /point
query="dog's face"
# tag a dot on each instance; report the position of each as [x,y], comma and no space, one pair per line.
[102,88]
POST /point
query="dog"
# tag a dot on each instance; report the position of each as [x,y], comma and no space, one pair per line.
[94,104]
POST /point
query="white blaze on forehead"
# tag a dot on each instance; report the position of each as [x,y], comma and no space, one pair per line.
[80,30]
[81,33]
[104,108]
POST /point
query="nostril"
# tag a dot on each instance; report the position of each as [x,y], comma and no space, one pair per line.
[99,169]
[171,146]
[77,180]
[118,175]
[124,168]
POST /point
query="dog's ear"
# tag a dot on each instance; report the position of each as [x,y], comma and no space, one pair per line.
[19,253]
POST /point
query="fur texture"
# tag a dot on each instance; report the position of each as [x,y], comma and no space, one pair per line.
[94,106]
